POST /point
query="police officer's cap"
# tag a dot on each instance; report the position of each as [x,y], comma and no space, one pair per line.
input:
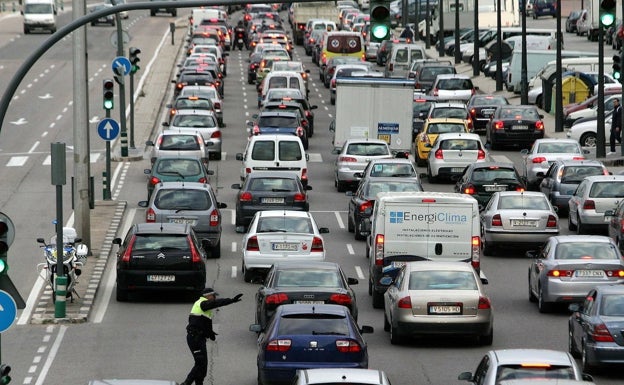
[209,291]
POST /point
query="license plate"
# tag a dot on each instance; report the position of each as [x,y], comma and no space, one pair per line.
[589,273]
[182,221]
[384,137]
[524,222]
[272,200]
[495,188]
[444,309]
[310,302]
[487,113]
[457,169]
[520,127]
[161,278]
[398,264]
[284,246]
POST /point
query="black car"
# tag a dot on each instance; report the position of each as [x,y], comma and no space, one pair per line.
[254,63]
[514,125]
[571,21]
[108,19]
[289,106]
[279,122]
[307,109]
[264,190]
[482,180]
[304,282]
[482,107]
[425,72]
[199,78]
[362,201]
[421,107]
[160,256]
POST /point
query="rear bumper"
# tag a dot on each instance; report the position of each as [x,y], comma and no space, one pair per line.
[284,372]
[184,280]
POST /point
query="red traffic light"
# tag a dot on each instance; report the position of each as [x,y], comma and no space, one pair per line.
[608,4]
[380,12]
[4,232]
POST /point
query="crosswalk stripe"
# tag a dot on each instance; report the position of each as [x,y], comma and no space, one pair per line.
[17,161]
[93,158]
[315,157]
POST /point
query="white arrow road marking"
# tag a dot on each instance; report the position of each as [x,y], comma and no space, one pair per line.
[94,119]
[20,121]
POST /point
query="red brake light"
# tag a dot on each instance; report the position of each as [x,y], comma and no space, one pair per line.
[245,197]
[470,190]
[552,221]
[348,346]
[304,174]
[538,159]
[202,180]
[299,197]
[560,273]
[589,205]
[496,220]
[276,299]
[438,154]
[317,245]
[539,125]
[600,333]
[578,158]
[615,273]
[365,206]
[278,346]
[150,215]
[154,181]
[499,125]
[473,112]
[333,83]
[379,249]
[252,244]
[480,154]
[484,303]
[340,299]
[214,218]
[126,255]
[195,256]
[347,159]
[405,303]
[216,135]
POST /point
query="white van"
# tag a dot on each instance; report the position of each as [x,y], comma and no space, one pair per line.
[274,153]
[420,226]
[401,58]
[200,14]
[281,79]
[39,15]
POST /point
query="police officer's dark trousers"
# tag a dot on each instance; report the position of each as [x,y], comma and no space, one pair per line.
[197,344]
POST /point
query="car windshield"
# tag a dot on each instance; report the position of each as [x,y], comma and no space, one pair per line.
[511,372]
[285,224]
[392,170]
[278,121]
[191,103]
[182,199]
[157,242]
[442,128]
[558,148]
[612,305]
[374,188]
[576,174]
[522,202]
[279,94]
[195,121]
[586,250]
[179,143]
[307,278]
[422,106]
[313,324]
[181,167]
[442,280]
[607,190]
[367,149]
[449,112]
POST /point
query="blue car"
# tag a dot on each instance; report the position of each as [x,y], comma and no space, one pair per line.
[279,122]
[308,336]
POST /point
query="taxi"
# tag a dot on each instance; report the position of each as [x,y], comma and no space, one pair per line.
[430,131]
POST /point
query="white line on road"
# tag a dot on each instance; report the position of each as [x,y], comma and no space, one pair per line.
[234,245]
[350,249]
[51,355]
[339,219]
[359,272]
[34,147]
[234,271]
[17,161]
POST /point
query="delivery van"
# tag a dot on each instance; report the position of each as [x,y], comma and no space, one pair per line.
[39,15]
[410,226]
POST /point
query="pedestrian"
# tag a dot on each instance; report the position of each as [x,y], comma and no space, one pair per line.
[199,328]
[407,33]
[616,125]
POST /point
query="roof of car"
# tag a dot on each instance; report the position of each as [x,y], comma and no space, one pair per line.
[445,120]
[517,356]
[279,213]
[275,137]
[555,140]
[343,375]
[437,265]
[494,164]
[288,309]
[392,160]
[610,289]
[579,162]
[527,193]
[272,174]
[183,185]
[453,76]
[162,227]
[264,113]
[458,135]
[306,265]
[581,238]
[364,140]
[605,178]
[448,104]
[195,112]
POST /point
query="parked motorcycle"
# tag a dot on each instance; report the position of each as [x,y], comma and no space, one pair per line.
[74,258]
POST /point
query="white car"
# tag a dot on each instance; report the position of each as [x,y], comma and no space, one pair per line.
[592,112]
[331,376]
[453,87]
[545,152]
[595,195]
[199,121]
[208,92]
[585,132]
[281,235]
[452,152]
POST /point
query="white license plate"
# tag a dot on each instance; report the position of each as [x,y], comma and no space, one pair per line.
[519,127]
[182,221]
[589,273]
[285,246]
[398,264]
[444,309]
[272,200]
[310,302]
[495,188]
[457,169]
[487,113]
[523,222]
[161,278]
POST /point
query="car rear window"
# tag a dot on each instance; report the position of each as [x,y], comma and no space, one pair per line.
[289,150]
[443,128]
[344,44]
[612,305]
[455,84]
[537,371]
[175,166]
[370,149]
[151,242]
[179,143]
[284,82]
[519,113]
[197,121]
[313,324]
[442,280]
[521,202]
[183,199]
[285,224]
[558,148]
[430,73]
[307,278]
[576,174]
[607,190]
[488,174]
[449,112]
[392,170]
[490,101]
[586,250]
[278,121]
[273,184]
[374,188]
[459,144]
[263,150]
[193,103]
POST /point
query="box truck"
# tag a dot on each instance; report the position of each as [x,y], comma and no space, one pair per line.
[302,12]
[431,226]
[376,108]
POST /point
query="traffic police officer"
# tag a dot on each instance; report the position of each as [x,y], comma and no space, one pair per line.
[199,328]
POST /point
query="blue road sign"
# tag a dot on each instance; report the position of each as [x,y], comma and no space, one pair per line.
[8,311]
[108,129]
[123,63]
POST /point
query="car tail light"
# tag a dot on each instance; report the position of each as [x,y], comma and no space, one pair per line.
[214,218]
[317,245]
[539,125]
[247,170]
[304,174]
[304,123]
[365,206]
[195,255]
[520,189]
[391,67]
[556,273]
[255,130]
[348,346]
[600,333]
[128,252]
[589,205]
[496,220]
[299,132]
[379,249]
[438,154]
[484,303]
[308,114]
[499,125]
[217,106]
[280,345]
[172,112]
[552,221]
[150,215]
[154,181]
[470,190]
[578,158]
[299,197]
[469,123]
[276,299]
[476,252]
[245,197]
[215,135]
[473,91]
[405,303]
[473,112]
[480,154]
[347,159]
[340,299]
[202,180]
[435,92]
[252,244]
[538,159]
[622,225]
[614,273]
[333,83]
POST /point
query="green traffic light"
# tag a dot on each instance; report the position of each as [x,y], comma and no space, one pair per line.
[3,266]
[108,104]
[617,75]
[607,19]
[380,31]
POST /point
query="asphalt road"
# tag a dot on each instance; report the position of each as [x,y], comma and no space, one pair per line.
[145,338]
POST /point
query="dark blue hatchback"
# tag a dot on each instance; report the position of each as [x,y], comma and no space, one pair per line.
[307,336]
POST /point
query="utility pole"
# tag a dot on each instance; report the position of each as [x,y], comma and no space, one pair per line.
[441,31]
[559,81]
[499,48]
[475,44]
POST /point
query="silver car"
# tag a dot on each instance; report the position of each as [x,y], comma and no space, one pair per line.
[171,143]
[202,122]
[389,168]
[517,218]
[453,87]
[353,157]
[544,152]
[594,196]
[331,376]
[452,152]
[444,298]
[569,266]
[209,92]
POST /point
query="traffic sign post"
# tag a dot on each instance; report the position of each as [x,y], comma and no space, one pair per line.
[108,129]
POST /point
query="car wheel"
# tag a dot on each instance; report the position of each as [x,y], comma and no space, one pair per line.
[432,179]
[532,297]
[538,102]
[487,339]
[121,294]
[350,225]
[152,13]
[305,142]
[419,161]
[580,229]
[571,346]
[174,13]
[588,139]
[332,101]
[543,306]
[215,252]
[247,274]
[395,336]
[488,249]
[587,366]
[341,186]
[378,301]
[358,233]
[370,287]
[386,323]
[259,378]
[571,226]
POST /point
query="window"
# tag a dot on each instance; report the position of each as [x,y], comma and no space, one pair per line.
[442,280]
[289,150]
[287,224]
[263,150]
[182,199]
[367,149]
[157,242]
[313,324]
[183,167]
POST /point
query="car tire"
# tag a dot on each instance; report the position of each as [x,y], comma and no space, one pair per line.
[305,142]
[247,274]
[488,339]
[386,323]
[378,300]
[419,161]
[571,226]
[332,101]
[121,294]
[571,346]
[215,251]
[586,366]
[488,249]
[358,235]
[532,297]
[341,186]
[543,306]
[588,139]
[250,80]
[580,228]
[395,336]
[350,225]
[174,13]
[259,379]
[152,13]
[432,179]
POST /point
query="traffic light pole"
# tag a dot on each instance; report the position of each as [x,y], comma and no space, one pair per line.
[131,110]
[122,88]
[107,177]
[621,82]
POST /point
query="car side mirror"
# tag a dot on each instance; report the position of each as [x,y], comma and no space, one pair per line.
[352,281]
[236,186]
[585,151]
[336,151]
[609,213]
[386,281]
[308,187]
[116,241]
[540,174]
[209,172]
[349,193]
[358,175]
[587,377]
[531,254]
[147,171]
[256,328]
[524,151]
[574,307]
[367,329]
[149,143]
[165,124]
[465,376]
[323,230]
[142,203]
[314,107]
[221,205]
[307,156]
[541,116]
[239,156]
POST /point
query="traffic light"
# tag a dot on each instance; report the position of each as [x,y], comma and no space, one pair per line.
[134,59]
[4,246]
[607,13]
[4,374]
[379,20]
[107,93]
[617,67]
